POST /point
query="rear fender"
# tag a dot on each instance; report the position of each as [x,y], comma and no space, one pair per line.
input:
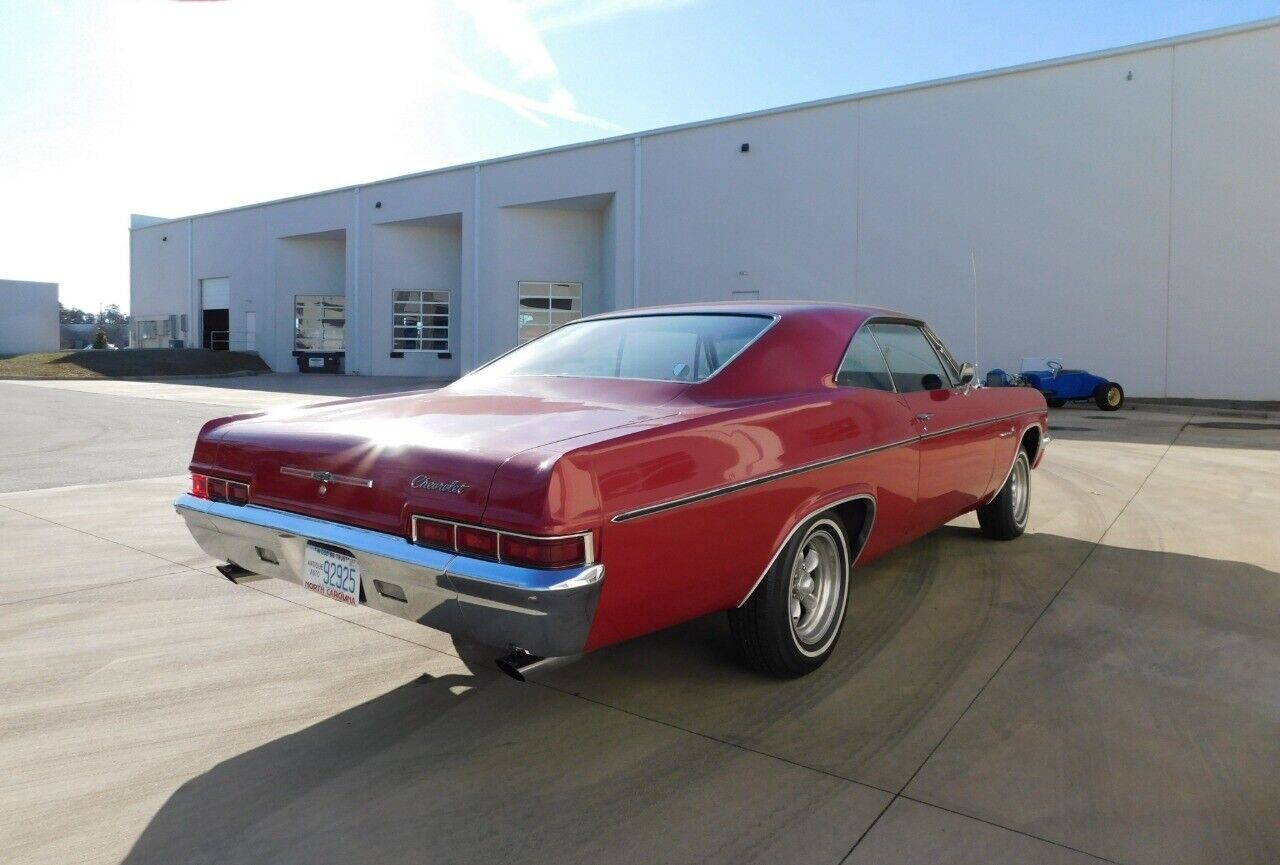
[809,509]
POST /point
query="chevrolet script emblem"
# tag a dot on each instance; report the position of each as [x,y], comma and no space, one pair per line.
[422,482]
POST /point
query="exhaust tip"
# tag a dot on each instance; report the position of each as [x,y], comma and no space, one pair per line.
[521,665]
[512,664]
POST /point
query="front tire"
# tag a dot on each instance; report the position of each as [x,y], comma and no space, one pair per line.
[1109,396]
[790,624]
[1005,517]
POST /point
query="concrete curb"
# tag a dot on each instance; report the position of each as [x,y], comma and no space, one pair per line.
[175,377]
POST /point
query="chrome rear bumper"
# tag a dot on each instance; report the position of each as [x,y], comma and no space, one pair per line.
[544,612]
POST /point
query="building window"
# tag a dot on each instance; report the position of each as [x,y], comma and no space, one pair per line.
[152,332]
[420,321]
[544,306]
[319,322]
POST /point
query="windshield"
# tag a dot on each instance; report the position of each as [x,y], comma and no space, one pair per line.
[686,348]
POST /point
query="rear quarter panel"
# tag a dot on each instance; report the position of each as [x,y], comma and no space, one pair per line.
[699,557]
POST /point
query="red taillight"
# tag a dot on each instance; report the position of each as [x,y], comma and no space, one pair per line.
[219,490]
[477,542]
[527,550]
[544,552]
[433,533]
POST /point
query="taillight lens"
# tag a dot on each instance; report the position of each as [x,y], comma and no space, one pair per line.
[219,490]
[433,533]
[477,542]
[527,550]
[544,552]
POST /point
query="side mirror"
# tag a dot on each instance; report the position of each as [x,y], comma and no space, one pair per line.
[968,373]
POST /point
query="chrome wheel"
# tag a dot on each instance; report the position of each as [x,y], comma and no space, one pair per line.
[816,594]
[1020,489]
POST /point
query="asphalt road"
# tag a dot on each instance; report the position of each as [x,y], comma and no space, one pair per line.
[1103,689]
[56,434]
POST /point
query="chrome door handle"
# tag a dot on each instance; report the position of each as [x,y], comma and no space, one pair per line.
[923,416]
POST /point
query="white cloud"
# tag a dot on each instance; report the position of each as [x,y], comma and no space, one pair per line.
[559,103]
[566,14]
[514,28]
[505,26]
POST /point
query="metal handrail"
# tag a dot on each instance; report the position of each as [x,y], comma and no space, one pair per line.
[222,340]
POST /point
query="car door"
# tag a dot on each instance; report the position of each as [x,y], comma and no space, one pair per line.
[882,419]
[957,449]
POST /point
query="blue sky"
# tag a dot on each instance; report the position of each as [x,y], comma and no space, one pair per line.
[170,108]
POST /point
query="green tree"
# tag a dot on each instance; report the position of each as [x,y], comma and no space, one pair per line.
[115,324]
[73,315]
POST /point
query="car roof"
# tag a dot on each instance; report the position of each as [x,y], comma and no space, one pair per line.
[772,308]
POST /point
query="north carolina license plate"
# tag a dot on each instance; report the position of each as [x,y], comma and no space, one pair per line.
[332,574]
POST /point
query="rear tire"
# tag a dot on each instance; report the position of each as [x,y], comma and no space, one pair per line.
[1056,403]
[1005,517]
[1108,396]
[790,624]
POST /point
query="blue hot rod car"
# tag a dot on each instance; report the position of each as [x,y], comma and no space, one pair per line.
[1059,385]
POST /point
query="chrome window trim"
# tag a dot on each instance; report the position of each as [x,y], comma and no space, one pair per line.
[589,547]
[853,559]
[893,385]
[944,354]
[774,319]
[928,338]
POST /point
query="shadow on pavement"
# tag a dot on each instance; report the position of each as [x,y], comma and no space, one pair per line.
[1144,654]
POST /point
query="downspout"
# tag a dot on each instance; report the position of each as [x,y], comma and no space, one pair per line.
[195,307]
[475,269]
[635,222]
[354,368]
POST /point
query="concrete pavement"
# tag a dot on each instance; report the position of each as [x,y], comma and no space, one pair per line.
[1106,688]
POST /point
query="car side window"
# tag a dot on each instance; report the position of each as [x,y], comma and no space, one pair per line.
[863,364]
[911,357]
[948,360]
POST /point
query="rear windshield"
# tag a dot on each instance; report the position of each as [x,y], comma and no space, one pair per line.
[655,347]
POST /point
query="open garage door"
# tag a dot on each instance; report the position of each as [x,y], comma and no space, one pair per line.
[215,313]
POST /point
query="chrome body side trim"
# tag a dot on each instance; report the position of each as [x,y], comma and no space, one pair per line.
[861,540]
[751,482]
[983,422]
[547,612]
[714,492]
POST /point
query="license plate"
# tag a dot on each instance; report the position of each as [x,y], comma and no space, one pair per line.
[332,574]
[315,362]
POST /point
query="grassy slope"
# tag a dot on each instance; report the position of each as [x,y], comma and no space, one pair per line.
[129,362]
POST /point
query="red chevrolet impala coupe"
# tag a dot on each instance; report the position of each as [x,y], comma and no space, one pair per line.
[628,472]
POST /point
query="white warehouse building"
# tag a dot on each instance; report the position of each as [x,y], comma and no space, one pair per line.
[1118,209]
